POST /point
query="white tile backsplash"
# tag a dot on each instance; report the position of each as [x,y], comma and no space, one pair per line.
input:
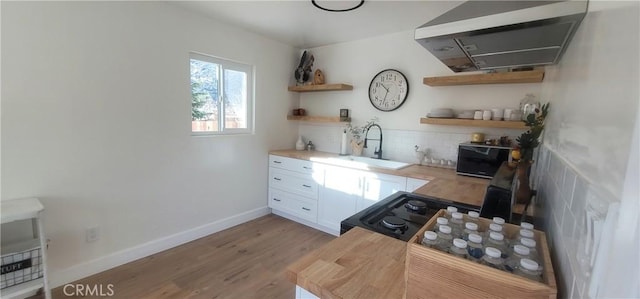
[397,144]
[564,198]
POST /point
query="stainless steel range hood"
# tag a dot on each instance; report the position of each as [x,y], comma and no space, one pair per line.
[487,35]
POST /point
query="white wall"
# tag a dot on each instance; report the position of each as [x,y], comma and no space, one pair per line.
[357,62]
[96,103]
[583,163]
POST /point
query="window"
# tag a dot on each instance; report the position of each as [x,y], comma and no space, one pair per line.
[221,96]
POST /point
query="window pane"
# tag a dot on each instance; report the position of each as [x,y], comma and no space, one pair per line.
[205,77]
[235,94]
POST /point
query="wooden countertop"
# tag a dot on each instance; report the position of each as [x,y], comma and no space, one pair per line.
[358,264]
[443,183]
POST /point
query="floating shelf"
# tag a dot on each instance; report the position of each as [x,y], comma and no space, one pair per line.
[534,76]
[318,119]
[474,123]
[323,87]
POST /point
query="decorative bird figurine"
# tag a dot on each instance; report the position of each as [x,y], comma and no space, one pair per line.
[303,72]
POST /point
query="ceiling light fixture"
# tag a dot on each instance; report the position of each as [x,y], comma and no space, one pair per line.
[315,3]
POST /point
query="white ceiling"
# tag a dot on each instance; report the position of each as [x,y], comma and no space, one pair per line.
[302,25]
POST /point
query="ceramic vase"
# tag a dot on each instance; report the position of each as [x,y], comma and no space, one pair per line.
[356,148]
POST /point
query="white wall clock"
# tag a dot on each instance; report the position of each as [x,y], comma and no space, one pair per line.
[388,90]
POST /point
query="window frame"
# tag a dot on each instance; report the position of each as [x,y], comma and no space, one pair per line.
[226,64]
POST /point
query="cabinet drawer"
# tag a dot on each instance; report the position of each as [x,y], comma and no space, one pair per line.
[302,184]
[297,165]
[293,204]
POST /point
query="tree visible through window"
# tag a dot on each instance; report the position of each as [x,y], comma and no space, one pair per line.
[221,95]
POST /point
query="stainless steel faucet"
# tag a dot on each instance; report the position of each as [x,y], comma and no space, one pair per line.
[377,152]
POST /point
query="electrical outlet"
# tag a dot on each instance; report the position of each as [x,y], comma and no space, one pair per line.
[92,234]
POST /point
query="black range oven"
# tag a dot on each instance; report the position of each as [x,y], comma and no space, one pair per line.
[400,215]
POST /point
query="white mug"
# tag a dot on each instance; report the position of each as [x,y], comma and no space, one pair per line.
[486,115]
[497,113]
[477,114]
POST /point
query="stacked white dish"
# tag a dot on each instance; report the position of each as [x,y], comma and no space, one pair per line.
[467,114]
[441,113]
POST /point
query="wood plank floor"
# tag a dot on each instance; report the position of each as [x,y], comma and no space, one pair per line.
[246,261]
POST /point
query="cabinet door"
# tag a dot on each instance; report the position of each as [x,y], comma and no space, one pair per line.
[414,184]
[377,186]
[337,200]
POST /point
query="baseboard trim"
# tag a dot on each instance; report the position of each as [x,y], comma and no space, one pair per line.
[307,223]
[118,258]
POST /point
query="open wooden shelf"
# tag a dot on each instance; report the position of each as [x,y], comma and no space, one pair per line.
[323,87]
[318,119]
[474,123]
[534,76]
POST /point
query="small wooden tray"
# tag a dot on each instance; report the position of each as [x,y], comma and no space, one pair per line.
[431,273]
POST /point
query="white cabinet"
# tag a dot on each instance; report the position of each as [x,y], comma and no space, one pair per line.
[339,196]
[321,195]
[293,188]
[304,294]
[27,259]
[414,184]
[378,186]
[348,191]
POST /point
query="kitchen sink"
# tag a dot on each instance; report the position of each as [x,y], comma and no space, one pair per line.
[364,162]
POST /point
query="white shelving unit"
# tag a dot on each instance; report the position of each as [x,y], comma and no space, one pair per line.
[25,209]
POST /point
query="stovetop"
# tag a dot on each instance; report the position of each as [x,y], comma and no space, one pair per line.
[400,215]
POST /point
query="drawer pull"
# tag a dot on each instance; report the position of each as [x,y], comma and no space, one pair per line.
[277,179]
[277,162]
[306,186]
[276,199]
[306,209]
[306,167]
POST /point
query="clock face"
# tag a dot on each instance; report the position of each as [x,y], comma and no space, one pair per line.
[388,90]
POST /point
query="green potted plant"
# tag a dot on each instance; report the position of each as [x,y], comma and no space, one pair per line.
[523,154]
[357,135]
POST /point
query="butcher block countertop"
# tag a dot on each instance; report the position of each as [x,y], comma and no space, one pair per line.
[358,264]
[443,183]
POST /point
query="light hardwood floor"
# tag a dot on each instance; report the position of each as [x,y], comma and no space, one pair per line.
[246,261]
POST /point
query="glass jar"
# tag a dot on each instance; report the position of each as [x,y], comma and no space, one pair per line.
[445,238]
[529,269]
[450,210]
[529,105]
[457,225]
[513,261]
[473,216]
[524,233]
[493,258]
[496,240]
[498,220]
[469,228]
[430,239]
[531,244]
[474,247]
[526,225]
[493,228]
[459,248]
[440,221]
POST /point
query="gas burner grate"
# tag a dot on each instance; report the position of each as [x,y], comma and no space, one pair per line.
[393,222]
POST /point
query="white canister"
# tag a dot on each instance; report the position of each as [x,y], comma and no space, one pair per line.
[507,114]
[486,115]
[477,114]
[497,113]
